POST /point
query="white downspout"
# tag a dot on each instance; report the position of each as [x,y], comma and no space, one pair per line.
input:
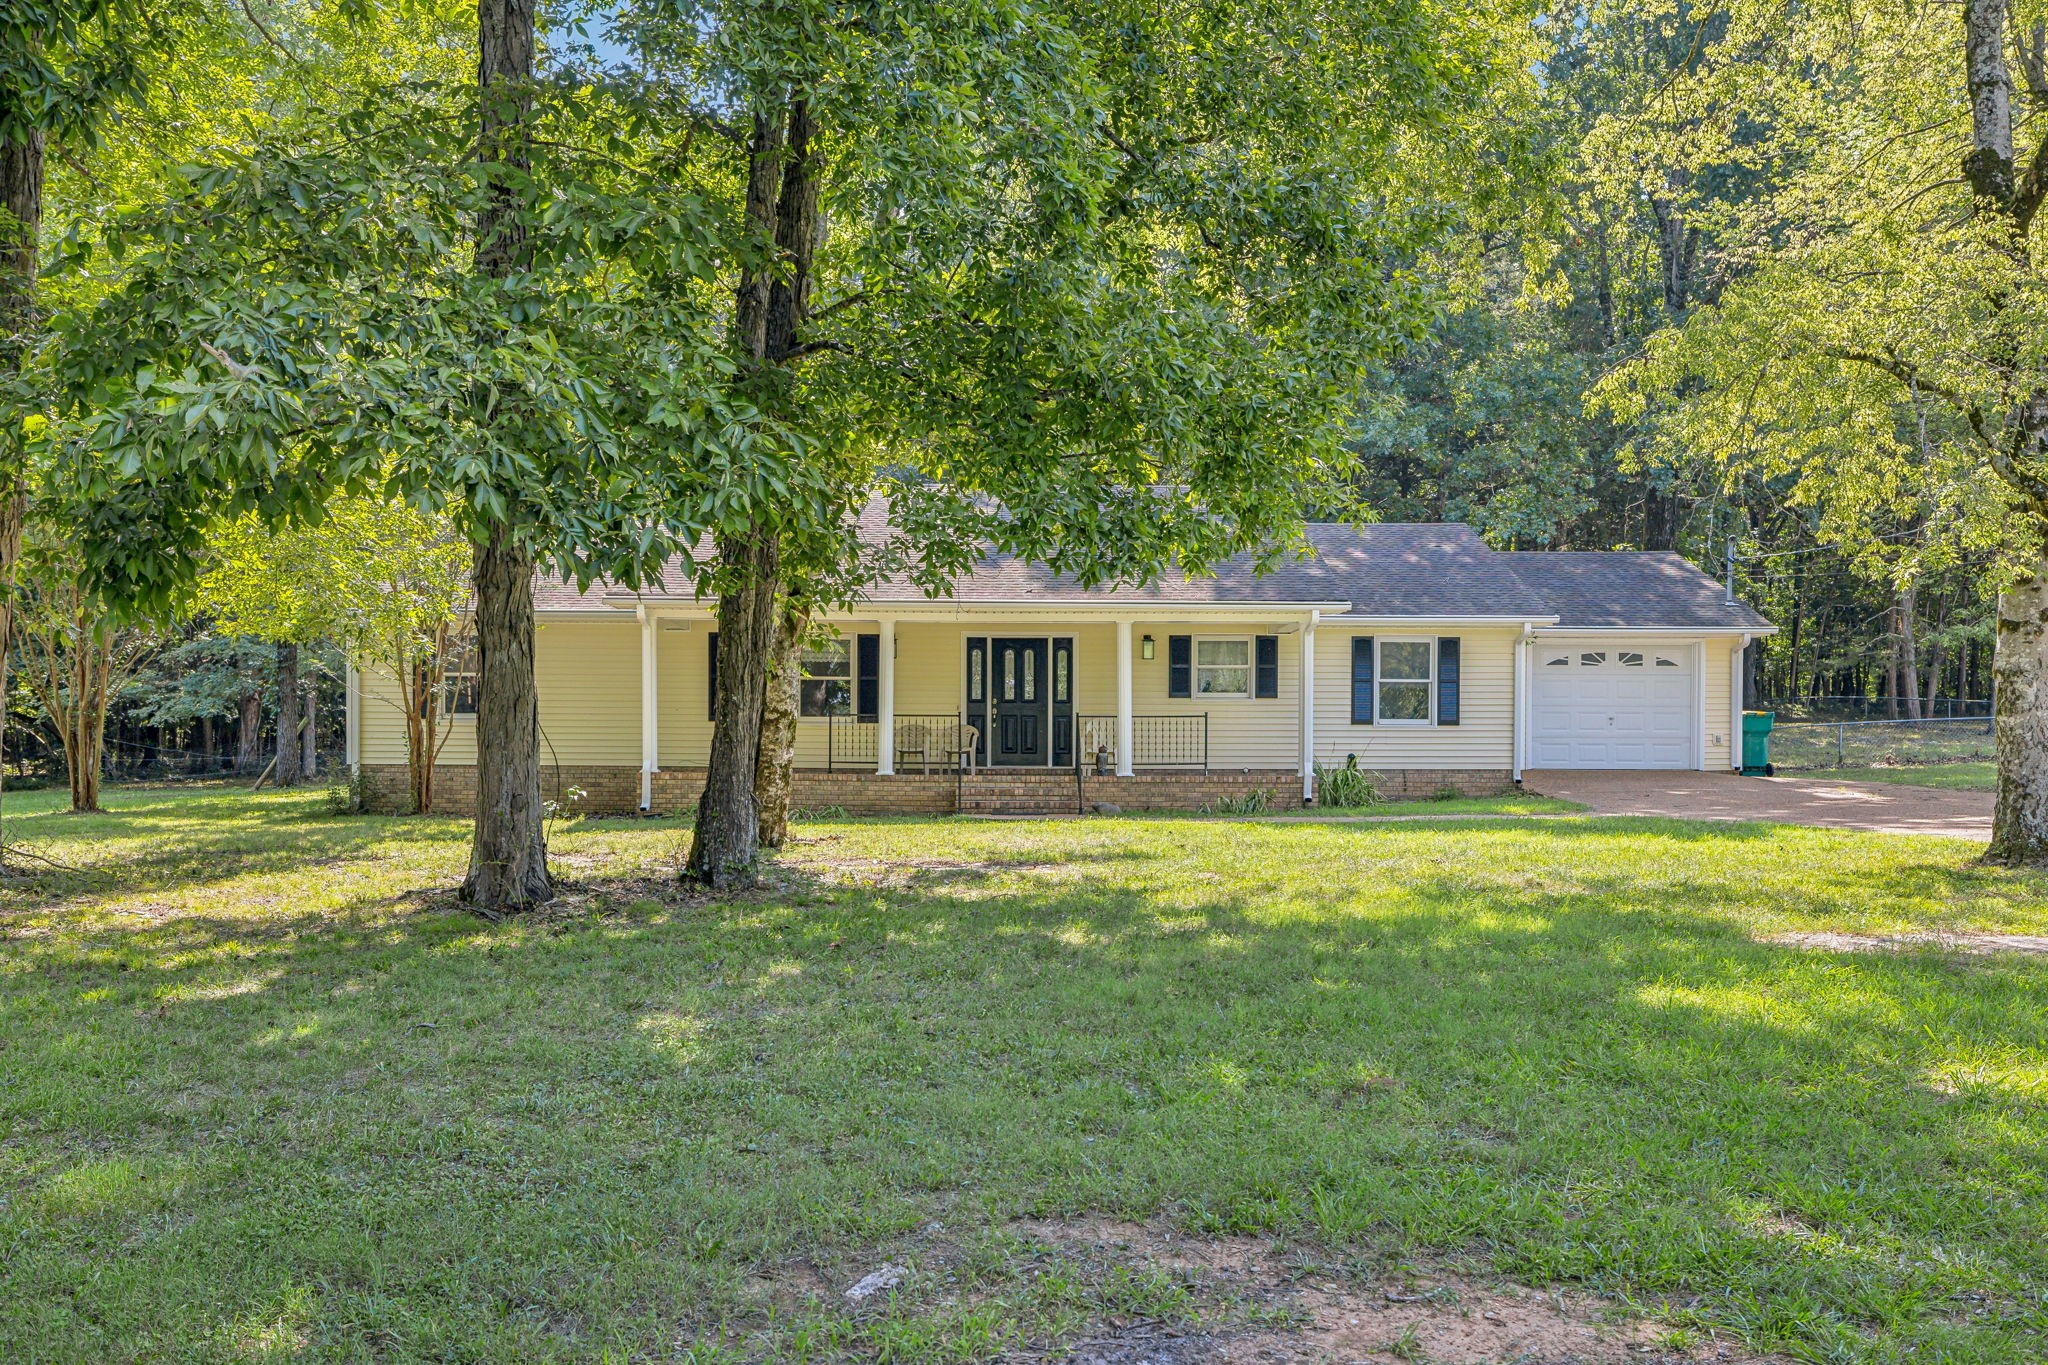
[649,741]
[352,718]
[1518,713]
[1308,708]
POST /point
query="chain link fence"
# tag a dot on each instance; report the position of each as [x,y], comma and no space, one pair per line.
[1793,710]
[1880,743]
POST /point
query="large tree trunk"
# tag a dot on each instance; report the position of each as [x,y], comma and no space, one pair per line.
[727,836]
[287,771]
[21,215]
[769,313]
[248,732]
[309,766]
[774,768]
[2019,829]
[1909,652]
[508,860]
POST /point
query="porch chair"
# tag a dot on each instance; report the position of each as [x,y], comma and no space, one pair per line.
[961,752]
[914,739]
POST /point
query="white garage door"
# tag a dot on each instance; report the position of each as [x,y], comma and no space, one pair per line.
[1614,704]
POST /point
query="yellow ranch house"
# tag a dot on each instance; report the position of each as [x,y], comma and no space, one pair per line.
[1413,651]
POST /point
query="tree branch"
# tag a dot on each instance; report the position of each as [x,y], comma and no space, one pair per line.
[268,36]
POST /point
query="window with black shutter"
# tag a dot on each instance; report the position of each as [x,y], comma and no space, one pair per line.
[1268,670]
[867,685]
[1361,680]
[711,671]
[1447,652]
[1180,666]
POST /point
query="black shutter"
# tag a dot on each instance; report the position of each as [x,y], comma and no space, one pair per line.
[867,677]
[711,669]
[1180,666]
[1361,680]
[1447,651]
[1267,675]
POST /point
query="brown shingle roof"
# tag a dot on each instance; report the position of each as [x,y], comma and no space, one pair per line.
[1385,569]
[1629,589]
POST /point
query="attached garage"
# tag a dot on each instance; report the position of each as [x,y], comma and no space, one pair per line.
[1614,703]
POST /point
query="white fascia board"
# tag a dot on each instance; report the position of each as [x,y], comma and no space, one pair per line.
[1653,632]
[1515,622]
[947,609]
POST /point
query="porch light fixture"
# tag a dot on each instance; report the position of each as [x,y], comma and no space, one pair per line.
[1145,647]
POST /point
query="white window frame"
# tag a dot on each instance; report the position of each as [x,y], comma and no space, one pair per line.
[463,646]
[1251,669]
[1380,679]
[852,679]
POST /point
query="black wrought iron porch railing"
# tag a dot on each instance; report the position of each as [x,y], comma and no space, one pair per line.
[924,743]
[1156,741]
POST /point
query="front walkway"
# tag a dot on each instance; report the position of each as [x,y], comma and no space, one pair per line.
[1882,808]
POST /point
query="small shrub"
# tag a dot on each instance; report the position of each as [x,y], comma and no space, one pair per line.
[345,791]
[1447,793]
[1254,802]
[1349,787]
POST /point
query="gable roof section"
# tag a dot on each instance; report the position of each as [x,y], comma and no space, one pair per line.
[1390,568]
[1419,569]
[1629,590]
[1387,569]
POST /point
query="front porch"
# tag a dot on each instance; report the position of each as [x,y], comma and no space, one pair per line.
[589,789]
[928,744]
[932,691]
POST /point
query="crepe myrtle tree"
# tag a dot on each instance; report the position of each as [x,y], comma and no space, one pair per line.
[1089,282]
[470,299]
[382,581]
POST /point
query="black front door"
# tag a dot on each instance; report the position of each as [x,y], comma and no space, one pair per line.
[1022,705]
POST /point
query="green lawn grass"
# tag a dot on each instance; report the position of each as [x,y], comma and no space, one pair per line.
[1514,803]
[1970,777]
[266,1094]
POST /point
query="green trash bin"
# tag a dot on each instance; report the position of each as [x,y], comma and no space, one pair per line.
[1756,743]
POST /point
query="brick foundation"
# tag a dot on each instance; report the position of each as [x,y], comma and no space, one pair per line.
[615,790]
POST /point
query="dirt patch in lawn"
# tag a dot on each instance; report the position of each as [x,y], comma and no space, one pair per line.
[1284,1308]
[1977,945]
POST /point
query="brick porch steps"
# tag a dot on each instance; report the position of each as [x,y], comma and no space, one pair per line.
[1013,791]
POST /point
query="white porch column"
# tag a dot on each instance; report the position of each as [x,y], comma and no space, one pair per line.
[1123,699]
[650,710]
[885,703]
[1308,707]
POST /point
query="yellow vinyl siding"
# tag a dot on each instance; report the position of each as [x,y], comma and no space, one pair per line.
[1483,737]
[588,674]
[682,690]
[1720,658]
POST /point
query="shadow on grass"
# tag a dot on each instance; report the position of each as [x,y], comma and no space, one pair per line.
[595,1125]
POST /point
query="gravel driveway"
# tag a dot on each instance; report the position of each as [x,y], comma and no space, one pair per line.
[1882,808]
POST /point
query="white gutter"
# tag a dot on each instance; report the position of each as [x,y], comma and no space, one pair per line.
[1652,632]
